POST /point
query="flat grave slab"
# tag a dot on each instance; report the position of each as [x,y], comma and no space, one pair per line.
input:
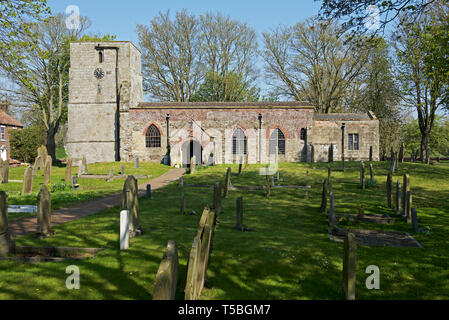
[22,208]
[44,254]
[380,238]
[374,218]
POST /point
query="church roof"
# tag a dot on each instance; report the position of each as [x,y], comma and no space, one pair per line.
[226,105]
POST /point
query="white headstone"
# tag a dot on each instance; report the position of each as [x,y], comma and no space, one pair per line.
[124,229]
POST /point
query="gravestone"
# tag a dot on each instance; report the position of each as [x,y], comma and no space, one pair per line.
[329,172]
[389,190]
[130,202]
[84,163]
[371,153]
[415,220]
[193,266]
[362,175]
[331,218]
[47,170]
[6,244]
[331,153]
[122,169]
[267,183]
[5,171]
[408,210]
[136,164]
[148,191]
[183,205]
[37,164]
[371,172]
[349,266]
[217,197]
[124,229]
[181,182]
[44,212]
[227,183]
[27,186]
[324,196]
[398,197]
[75,184]
[167,274]
[239,214]
[110,175]
[68,170]
[192,164]
[405,189]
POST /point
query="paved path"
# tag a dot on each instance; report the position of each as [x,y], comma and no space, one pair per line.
[63,215]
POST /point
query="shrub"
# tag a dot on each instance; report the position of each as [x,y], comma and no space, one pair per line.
[24,143]
[370,183]
[59,186]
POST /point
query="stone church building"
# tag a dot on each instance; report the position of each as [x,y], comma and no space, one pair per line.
[108,120]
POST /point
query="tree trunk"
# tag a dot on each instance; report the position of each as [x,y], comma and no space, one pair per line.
[51,144]
[424,146]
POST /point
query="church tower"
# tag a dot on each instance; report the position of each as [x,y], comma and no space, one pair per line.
[104,82]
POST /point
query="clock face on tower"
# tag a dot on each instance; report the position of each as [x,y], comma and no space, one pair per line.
[99,73]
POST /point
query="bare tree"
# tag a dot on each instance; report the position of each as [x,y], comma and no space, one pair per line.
[313,61]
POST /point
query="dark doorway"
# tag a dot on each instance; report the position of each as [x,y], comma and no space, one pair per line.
[191,148]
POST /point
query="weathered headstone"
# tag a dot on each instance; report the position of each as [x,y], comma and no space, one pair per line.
[389,190]
[167,274]
[398,197]
[6,244]
[5,171]
[110,175]
[183,204]
[37,164]
[362,175]
[371,172]
[136,164]
[227,183]
[181,182]
[192,164]
[371,153]
[206,237]
[193,265]
[324,196]
[217,197]
[84,163]
[68,170]
[75,184]
[122,169]
[349,266]
[148,191]
[331,218]
[331,153]
[414,220]
[267,183]
[408,210]
[405,189]
[124,229]
[239,214]
[130,202]
[47,170]
[27,181]
[44,212]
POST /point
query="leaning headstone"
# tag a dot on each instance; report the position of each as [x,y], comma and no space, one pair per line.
[192,164]
[227,183]
[167,274]
[239,214]
[148,191]
[6,244]
[324,196]
[5,171]
[217,197]
[408,210]
[349,266]
[124,229]
[110,175]
[331,153]
[191,290]
[415,220]
[37,165]
[130,202]
[405,189]
[68,170]
[371,172]
[47,172]
[27,181]
[398,197]
[362,175]
[44,212]
[183,205]
[389,190]
[371,153]
[136,164]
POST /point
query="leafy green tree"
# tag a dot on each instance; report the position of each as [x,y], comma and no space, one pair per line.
[24,143]
[230,87]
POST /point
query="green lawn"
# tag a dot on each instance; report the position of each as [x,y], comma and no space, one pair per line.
[288,255]
[90,188]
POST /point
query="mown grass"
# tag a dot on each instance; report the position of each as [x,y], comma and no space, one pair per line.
[288,255]
[90,188]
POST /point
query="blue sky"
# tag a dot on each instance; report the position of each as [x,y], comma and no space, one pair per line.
[121,17]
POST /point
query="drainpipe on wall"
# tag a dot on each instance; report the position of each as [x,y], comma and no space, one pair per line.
[117,96]
[167,118]
[260,137]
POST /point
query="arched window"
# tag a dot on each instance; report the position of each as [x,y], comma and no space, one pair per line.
[239,142]
[100,56]
[153,137]
[277,139]
[303,134]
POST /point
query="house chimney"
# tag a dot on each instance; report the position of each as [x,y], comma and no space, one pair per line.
[4,106]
